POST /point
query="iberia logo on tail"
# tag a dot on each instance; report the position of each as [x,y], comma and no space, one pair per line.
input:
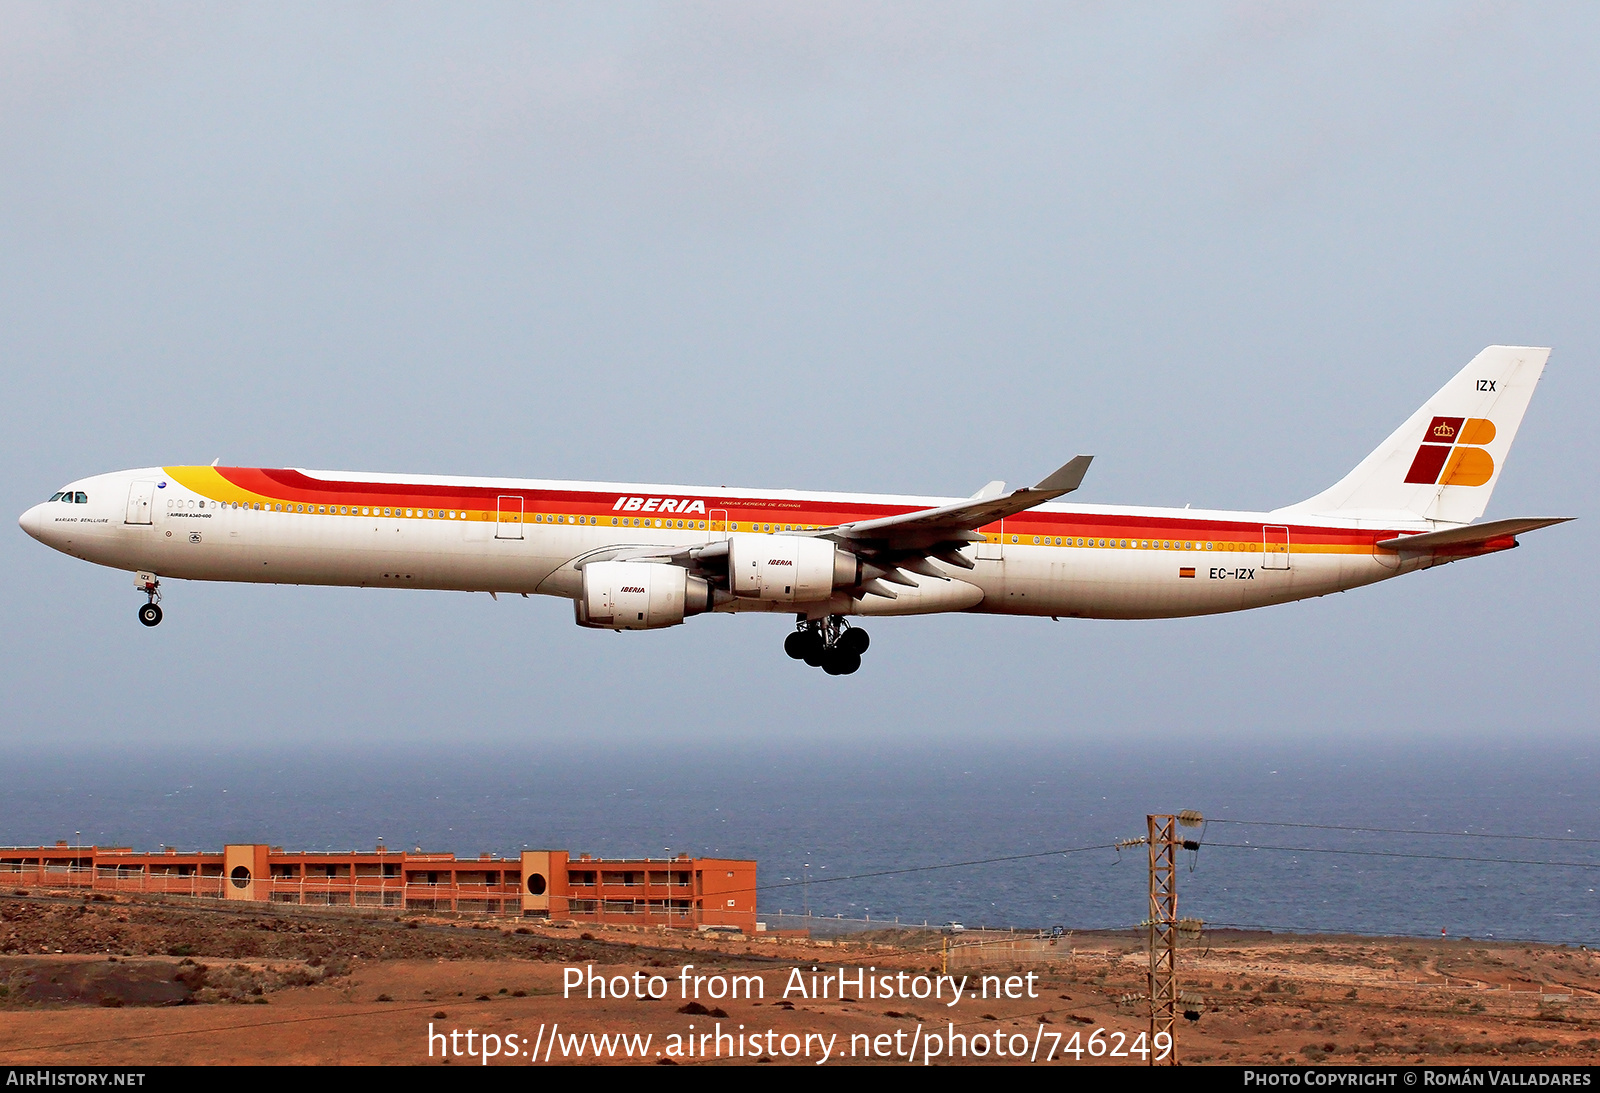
[1451,453]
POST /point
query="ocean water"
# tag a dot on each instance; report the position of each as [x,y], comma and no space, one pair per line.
[817,819]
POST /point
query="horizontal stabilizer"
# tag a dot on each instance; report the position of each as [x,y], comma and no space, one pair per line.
[1494,535]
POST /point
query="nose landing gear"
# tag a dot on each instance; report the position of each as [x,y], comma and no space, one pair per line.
[831,644]
[150,613]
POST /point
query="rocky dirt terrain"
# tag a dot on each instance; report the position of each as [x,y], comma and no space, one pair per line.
[128,982]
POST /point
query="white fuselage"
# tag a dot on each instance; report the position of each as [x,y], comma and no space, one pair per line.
[641,557]
[522,536]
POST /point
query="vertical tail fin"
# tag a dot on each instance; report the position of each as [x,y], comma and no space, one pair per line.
[1443,463]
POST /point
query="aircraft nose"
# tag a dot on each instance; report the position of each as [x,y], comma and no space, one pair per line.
[32,522]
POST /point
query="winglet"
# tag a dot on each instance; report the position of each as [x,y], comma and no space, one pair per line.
[910,531]
[1068,477]
[990,492]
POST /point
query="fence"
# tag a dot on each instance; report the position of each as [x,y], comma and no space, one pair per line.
[1032,951]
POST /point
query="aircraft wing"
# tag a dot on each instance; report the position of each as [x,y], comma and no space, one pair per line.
[893,547]
[916,531]
[1470,539]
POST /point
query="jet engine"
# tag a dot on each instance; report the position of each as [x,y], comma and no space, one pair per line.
[639,595]
[788,568]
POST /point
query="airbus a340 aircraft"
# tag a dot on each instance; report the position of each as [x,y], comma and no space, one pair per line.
[640,557]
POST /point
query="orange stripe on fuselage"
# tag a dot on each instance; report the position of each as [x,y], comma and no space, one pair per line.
[249,485]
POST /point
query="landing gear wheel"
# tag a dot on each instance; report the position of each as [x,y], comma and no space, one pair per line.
[799,643]
[828,643]
[150,614]
[854,641]
[839,662]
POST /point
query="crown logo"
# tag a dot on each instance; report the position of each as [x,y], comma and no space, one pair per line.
[1444,430]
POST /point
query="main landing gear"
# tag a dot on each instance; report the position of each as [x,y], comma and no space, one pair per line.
[831,644]
[150,613]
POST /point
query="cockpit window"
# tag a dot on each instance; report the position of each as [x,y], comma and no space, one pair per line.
[57,497]
[80,498]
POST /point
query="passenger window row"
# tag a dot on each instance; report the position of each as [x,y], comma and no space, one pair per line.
[646,522]
[768,529]
[326,510]
[443,514]
[79,497]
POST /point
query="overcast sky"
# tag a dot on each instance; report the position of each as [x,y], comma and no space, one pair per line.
[845,246]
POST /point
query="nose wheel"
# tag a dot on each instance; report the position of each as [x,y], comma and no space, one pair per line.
[150,613]
[831,644]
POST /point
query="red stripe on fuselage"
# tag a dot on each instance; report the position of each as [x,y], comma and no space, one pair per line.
[294,486]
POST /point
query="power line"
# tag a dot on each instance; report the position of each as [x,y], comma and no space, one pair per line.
[1399,854]
[1241,846]
[1324,931]
[1406,831]
[930,868]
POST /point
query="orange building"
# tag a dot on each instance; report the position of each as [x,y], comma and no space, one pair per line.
[682,892]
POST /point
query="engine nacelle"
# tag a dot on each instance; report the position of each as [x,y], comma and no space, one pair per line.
[639,595]
[788,568]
